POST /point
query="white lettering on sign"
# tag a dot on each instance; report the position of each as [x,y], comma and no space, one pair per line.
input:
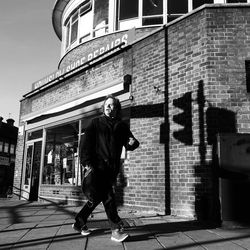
[88,57]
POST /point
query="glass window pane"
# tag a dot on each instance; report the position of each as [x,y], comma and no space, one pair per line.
[152,21]
[6,147]
[128,9]
[101,12]
[67,35]
[1,146]
[152,7]
[28,165]
[74,31]
[236,1]
[85,23]
[177,6]
[61,159]
[35,134]
[85,8]
[198,3]
[74,17]
[12,148]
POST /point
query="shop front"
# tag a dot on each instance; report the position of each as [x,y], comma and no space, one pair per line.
[52,169]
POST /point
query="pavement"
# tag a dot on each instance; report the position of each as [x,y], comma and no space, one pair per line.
[36,225]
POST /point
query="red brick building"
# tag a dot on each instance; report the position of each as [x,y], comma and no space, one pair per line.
[197,62]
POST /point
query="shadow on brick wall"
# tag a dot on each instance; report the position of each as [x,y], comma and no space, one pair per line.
[218,120]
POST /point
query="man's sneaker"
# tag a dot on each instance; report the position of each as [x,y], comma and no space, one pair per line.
[118,235]
[76,227]
[83,230]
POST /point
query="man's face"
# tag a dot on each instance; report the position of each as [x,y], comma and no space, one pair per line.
[109,108]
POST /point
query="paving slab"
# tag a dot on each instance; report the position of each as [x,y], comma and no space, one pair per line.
[178,241]
[212,241]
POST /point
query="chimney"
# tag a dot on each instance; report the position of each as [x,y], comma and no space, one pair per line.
[10,122]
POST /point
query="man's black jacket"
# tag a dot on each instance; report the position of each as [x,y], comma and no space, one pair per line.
[102,144]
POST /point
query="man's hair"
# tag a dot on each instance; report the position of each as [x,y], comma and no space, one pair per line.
[117,104]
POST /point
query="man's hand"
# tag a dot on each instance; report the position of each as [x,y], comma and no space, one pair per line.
[131,141]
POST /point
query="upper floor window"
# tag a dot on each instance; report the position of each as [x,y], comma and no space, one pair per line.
[198,3]
[79,17]
[6,147]
[237,1]
[12,149]
[94,18]
[177,8]
[152,12]
[128,9]
[139,13]
[72,29]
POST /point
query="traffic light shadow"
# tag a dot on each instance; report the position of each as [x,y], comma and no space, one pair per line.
[211,121]
[218,120]
[184,119]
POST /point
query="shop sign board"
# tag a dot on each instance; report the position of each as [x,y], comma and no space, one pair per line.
[125,38]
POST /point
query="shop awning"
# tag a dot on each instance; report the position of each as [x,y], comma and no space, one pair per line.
[90,98]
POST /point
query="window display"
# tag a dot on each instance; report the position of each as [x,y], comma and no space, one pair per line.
[61,163]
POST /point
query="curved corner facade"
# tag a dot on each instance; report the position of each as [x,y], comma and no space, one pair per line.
[181,79]
[78,21]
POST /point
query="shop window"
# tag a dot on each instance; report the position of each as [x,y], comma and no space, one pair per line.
[1,146]
[61,165]
[6,147]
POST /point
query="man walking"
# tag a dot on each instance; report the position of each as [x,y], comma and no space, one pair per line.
[100,155]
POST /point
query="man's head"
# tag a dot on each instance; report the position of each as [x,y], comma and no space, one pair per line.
[111,107]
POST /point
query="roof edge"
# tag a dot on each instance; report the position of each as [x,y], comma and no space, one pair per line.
[57,13]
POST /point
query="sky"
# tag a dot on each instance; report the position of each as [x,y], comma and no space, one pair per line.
[29,50]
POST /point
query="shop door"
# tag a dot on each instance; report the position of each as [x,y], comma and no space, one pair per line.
[32,171]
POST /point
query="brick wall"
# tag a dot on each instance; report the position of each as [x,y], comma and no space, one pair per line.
[187,66]
[18,165]
[207,53]
[146,169]
[94,77]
